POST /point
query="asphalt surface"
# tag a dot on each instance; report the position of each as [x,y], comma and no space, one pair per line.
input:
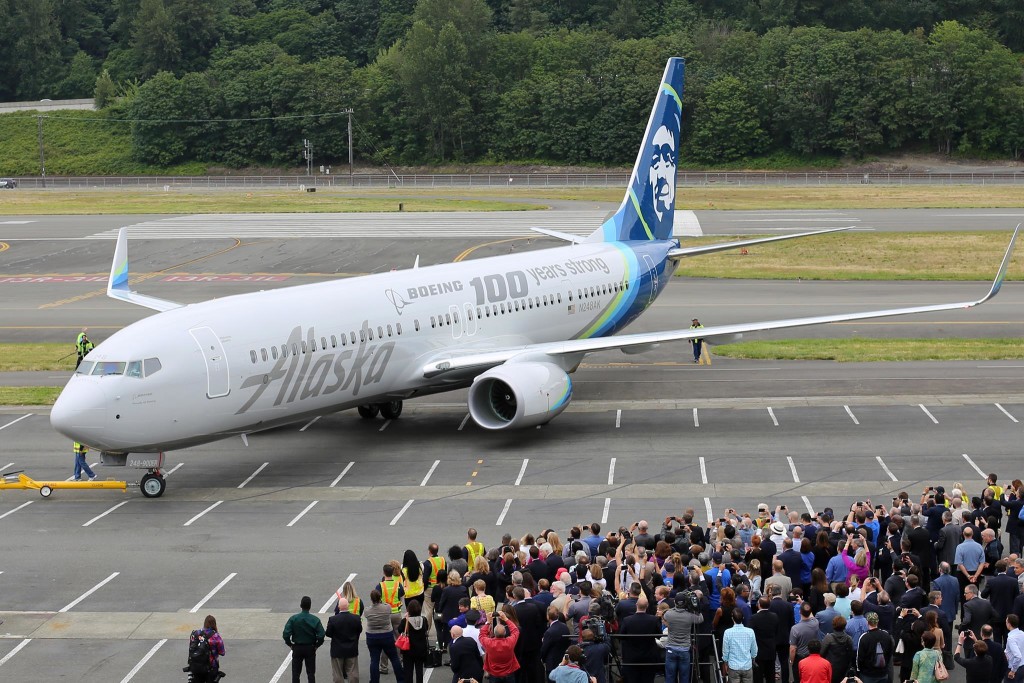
[96,580]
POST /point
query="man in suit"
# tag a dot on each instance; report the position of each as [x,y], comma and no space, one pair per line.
[949,539]
[466,660]
[538,567]
[978,611]
[639,652]
[532,625]
[921,546]
[784,611]
[555,641]
[914,597]
[343,629]
[792,562]
[765,625]
[996,652]
[1001,590]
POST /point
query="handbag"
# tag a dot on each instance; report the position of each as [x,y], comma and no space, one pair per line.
[402,641]
[941,673]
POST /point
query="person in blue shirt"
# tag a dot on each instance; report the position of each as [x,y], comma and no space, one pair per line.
[712,577]
[836,572]
[593,541]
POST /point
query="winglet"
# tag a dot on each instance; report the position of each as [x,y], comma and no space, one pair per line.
[117,285]
[1001,273]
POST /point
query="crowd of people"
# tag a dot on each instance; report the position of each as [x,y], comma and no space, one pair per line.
[903,590]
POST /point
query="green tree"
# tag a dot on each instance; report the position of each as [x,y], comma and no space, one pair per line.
[527,15]
[105,90]
[81,79]
[156,134]
[154,40]
[35,59]
[727,126]
[197,25]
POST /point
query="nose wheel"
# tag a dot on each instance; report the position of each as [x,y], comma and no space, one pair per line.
[153,485]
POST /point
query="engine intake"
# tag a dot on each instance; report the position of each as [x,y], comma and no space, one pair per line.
[517,395]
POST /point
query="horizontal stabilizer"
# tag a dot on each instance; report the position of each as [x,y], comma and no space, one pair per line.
[565,236]
[117,285]
[684,252]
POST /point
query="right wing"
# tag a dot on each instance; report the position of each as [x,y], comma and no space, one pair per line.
[684,252]
[635,343]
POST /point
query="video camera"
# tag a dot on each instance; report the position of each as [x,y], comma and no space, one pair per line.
[689,601]
[599,628]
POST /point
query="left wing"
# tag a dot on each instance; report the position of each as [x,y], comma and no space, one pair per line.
[117,285]
[684,252]
[648,340]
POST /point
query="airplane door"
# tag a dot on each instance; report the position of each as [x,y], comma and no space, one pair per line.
[217,376]
[649,262]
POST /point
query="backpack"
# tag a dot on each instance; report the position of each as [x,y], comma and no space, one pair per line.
[199,652]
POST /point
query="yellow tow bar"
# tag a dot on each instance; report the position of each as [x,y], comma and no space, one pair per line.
[21,481]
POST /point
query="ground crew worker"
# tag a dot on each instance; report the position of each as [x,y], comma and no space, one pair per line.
[391,592]
[80,463]
[434,563]
[474,548]
[82,345]
[697,343]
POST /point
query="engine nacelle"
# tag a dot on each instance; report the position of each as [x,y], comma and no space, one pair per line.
[519,395]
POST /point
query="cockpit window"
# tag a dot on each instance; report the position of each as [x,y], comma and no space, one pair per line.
[152,366]
[108,368]
[85,368]
[134,369]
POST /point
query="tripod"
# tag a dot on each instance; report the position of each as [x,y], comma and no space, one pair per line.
[710,645]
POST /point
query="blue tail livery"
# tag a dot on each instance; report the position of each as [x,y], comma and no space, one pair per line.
[648,209]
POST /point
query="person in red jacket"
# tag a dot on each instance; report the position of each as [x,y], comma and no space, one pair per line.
[498,639]
[814,668]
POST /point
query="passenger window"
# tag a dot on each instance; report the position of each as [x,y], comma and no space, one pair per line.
[85,368]
[353,336]
[135,368]
[380,332]
[432,322]
[479,314]
[263,354]
[416,324]
[252,355]
[151,366]
[303,344]
[502,308]
[344,340]
[369,333]
[470,313]
[389,330]
[323,343]
[398,328]
[448,319]
[560,298]
[273,352]
[295,348]
[495,308]
[334,341]
[531,303]
[570,296]
[362,334]
[312,345]
[455,317]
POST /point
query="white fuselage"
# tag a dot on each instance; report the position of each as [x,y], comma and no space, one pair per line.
[253,361]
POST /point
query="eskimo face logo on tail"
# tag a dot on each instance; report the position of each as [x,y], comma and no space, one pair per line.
[662,174]
[322,372]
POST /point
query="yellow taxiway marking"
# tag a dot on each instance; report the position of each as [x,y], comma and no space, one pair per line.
[4,246]
[469,251]
[141,278]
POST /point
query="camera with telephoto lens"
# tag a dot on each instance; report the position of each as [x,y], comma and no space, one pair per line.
[599,628]
[689,601]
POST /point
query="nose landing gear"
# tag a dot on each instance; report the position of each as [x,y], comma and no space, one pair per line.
[153,484]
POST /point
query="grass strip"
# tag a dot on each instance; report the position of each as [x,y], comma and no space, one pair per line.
[861,256]
[863,350]
[28,396]
[71,202]
[37,357]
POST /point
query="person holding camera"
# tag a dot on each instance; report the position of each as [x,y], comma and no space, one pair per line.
[682,621]
[570,670]
[977,664]
[499,638]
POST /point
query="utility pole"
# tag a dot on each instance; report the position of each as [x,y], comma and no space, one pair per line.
[307,154]
[351,171]
[42,159]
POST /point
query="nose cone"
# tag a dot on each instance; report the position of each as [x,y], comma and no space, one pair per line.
[80,412]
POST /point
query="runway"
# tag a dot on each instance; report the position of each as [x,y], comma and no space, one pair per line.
[104,586]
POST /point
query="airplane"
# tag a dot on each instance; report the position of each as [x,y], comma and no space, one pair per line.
[512,328]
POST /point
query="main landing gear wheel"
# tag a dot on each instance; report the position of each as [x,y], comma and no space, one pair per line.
[153,485]
[45,491]
[391,410]
[369,411]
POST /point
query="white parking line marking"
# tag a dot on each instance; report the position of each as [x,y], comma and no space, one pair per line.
[199,605]
[280,669]
[607,506]
[431,471]
[310,423]
[703,471]
[253,475]
[1005,412]
[301,514]
[172,471]
[618,418]
[16,650]
[807,504]
[504,511]
[854,418]
[707,507]
[384,426]
[792,468]
[974,465]
[91,465]
[402,511]
[189,522]
[104,514]
[11,512]
[142,662]
[611,472]
[522,471]
[886,468]
[772,414]
[16,421]
[464,421]
[343,473]
[927,413]
[426,675]
[334,598]
[696,422]
[83,596]
[11,464]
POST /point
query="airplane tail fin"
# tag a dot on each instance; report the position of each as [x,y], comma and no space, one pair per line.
[648,209]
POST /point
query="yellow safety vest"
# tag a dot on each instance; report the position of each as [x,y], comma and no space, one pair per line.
[391,599]
[476,549]
[81,449]
[353,606]
[437,564]
[412,588]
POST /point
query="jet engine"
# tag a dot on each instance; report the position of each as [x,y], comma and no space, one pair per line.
[519,395]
